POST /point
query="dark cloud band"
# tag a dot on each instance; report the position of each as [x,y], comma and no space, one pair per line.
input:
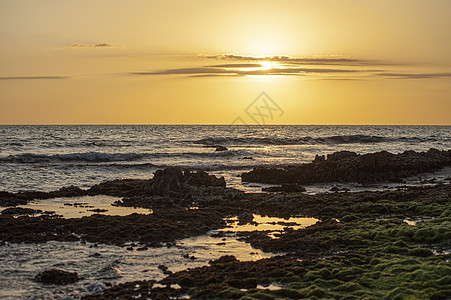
[32,77]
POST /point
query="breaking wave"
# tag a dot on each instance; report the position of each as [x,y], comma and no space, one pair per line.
[88,156]
[109,157]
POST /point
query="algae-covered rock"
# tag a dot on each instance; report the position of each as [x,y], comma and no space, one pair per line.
[422,252]
[345,166]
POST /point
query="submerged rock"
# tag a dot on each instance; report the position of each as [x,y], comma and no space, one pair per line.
[286,187]
[346,166]
[337,189]
[221,148]
[57,276]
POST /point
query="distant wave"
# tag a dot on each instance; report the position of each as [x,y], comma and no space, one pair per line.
[88,156]
[109,157]
[190,166]
[337,139]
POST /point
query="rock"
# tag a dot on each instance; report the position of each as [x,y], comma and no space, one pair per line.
[174,186]
[163,226]
[173,181]
[245,218]
[164,269]
[221,148]
[248,157]
[57,276]
[286,187]
[98,210]
[346,166]
[202,178]
[19,211]
[319,158]
[341,155]
[223,260]
[120,188]
[336,189]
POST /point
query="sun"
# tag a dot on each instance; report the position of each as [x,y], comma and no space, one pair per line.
[266,65]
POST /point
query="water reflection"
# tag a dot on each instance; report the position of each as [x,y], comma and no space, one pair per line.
[77,207]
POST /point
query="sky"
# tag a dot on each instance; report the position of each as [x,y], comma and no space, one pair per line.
[225,62]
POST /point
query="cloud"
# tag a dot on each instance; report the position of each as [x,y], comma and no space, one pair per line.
[217,75]
[237,66]
[343,61]
[78,46]
[227,71]
[103,45]
[327,67]
[33,77]
[187,71]
[98,45]
[414,75]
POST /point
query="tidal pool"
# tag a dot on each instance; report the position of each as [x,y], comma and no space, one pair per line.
[77,207]
[101,266]
[274,226]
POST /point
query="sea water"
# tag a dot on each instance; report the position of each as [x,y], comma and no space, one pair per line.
[47,158]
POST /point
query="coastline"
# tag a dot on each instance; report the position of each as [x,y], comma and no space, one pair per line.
[371,243]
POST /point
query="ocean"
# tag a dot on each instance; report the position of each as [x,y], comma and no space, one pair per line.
[45,158]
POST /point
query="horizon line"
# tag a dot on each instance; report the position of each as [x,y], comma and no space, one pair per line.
[210,124]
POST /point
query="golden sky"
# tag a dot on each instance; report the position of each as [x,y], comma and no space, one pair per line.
[205,62]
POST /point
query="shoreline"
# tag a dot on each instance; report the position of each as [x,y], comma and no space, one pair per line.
[390,243]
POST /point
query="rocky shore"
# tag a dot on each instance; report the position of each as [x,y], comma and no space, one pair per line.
[346,166]
[363,248]
[372,245]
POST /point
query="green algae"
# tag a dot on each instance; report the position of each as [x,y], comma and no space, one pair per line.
[370,254]
[392,276]
[422,252]
[399,263]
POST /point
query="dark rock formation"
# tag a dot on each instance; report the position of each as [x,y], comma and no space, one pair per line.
[57,276]
[21,198]
[245,218]
[151,230]
[180,188]
[120,188]
[221,148]
[173,182]
[345,166]
[19,211]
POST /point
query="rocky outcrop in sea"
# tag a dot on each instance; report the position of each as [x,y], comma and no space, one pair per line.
[346,166]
